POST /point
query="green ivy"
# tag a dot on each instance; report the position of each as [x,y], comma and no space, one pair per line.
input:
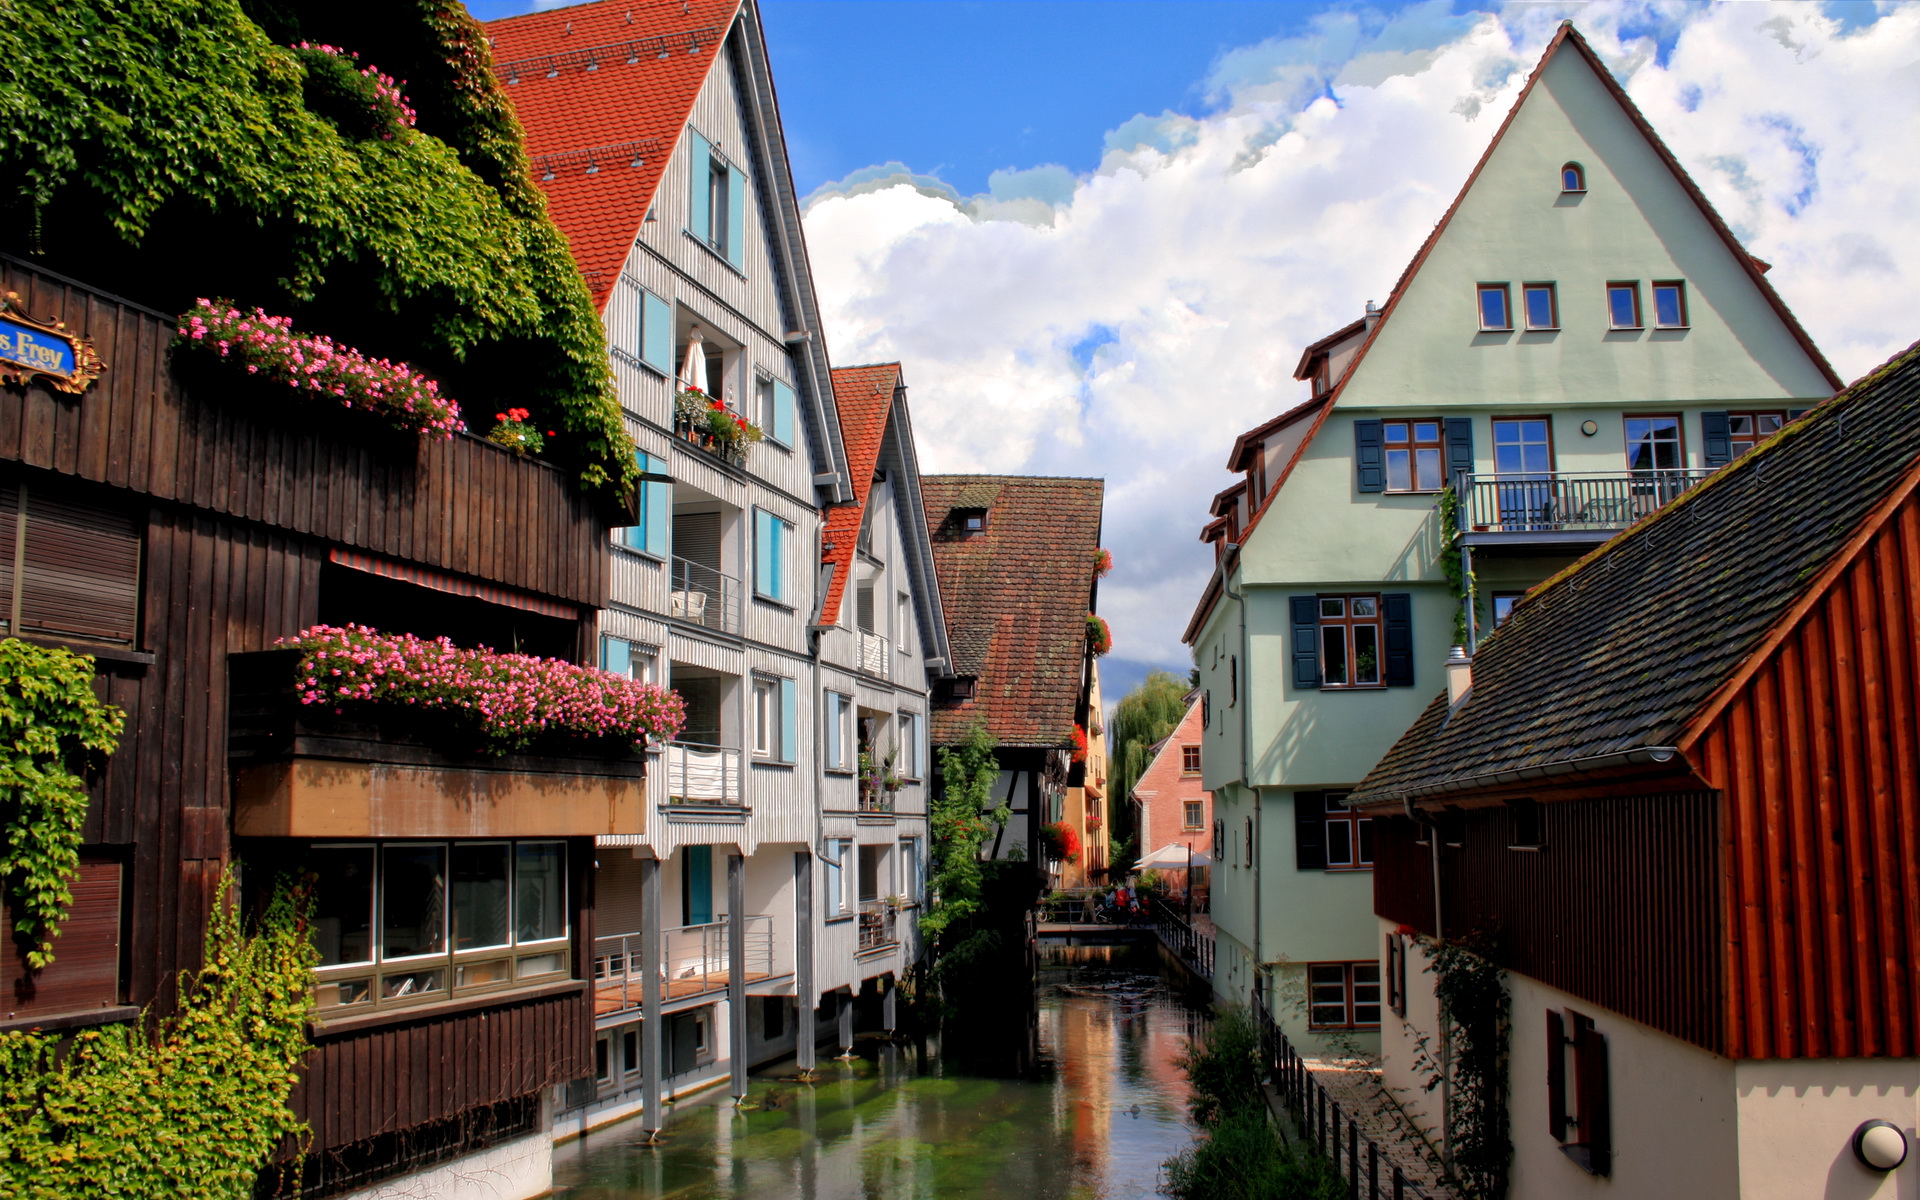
[1457,581]
[964,816]
[193,1108]
[170,143]
[51,725]
[1476,1013]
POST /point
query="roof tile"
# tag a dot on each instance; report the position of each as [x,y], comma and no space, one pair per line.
[864,396]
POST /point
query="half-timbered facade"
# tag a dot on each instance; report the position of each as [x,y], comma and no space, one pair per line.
[1674,798]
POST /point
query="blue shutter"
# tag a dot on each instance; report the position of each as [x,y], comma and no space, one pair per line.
[789,722]
[697,885]
[778,558]
[660,519]
[656,333]
[1459,446]
[699,185]
[832,742]
[1305,614]
[616,655]
[1396,610]
[782,413]
[762,551]
[1369,456]
[1716,438]
[737,217]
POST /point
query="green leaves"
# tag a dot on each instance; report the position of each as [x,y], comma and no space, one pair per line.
[51,726]
[964,816]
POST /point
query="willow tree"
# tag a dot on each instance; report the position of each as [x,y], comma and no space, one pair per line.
[1145,716]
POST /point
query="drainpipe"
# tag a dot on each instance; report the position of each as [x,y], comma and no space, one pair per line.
[1245,705]
[737,972]
[1422,817]
[651,1034]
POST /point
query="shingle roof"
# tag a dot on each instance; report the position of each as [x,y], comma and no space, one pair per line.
[605,134]
[1017,598]
[1619,652]
[864,396]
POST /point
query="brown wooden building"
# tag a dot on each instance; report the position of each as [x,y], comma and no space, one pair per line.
[174,522]
[1677,796]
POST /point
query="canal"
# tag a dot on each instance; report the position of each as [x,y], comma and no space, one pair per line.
[1096,1103]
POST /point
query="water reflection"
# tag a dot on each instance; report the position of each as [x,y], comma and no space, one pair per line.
[1101,1107]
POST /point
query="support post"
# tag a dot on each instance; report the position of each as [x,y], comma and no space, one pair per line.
[737,973]
[652,1035]
[806,996]
[888,1013]
[846,1025]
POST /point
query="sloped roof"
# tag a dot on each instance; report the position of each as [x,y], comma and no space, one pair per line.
[1017,598]
[604,92]
[1619,652]
[864,396]
[1755,269]
[1304,367]
[1241,457]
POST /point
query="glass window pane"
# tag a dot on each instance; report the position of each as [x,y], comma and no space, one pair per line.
[479,896]
[413,983]
[1366,839]
[1336,802]
[1333,654]
[413,902]
[540,891]
[343,903]
[1366,654]
[1493,308]
[1339,843]
[1428,460]
[1395,432]
[1666,306]
[1426,431]
[1332,606]
[1539,308]
[1366,606]
[1399,471]
[1770,423]
[1621,307]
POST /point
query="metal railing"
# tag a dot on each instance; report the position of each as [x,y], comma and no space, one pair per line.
[693,959]
[1566,501]
[1188,944]
[698,773]
[695,431]
[875,798]
[877,925]
[1356,1158]
[703,595]
[874,654]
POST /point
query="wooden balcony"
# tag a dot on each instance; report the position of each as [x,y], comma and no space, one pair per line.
[304,771]
[1562,508]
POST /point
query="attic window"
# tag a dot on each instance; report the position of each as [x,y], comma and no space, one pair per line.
[970,520]
[1573,178]
[960,687]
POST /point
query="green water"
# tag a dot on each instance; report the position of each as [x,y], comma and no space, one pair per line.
[1095,1106]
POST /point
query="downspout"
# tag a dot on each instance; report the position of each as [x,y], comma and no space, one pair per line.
[1421,817]
[1246,773]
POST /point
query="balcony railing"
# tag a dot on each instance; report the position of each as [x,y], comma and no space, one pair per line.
[876,797]
[702,595]
[694,960]
[699,773]
[873,654]
[695,431]
[877,925]
[1561,503]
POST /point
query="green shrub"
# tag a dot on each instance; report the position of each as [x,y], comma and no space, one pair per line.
[1242,1158]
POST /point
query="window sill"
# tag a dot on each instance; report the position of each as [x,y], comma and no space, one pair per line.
[1496,329]
[1311,1028]
[774,763]
[1353,687]
[843,919]
[770,602]
[78,1019]
[1541,329]
[842,772]
[103,651]
[1626,328]
[1671,328]
[338,1026]
[1349,870]
[1411,491]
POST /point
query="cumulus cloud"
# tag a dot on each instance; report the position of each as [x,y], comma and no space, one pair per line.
[1130,322]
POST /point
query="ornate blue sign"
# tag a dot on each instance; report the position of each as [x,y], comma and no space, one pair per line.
[31,349]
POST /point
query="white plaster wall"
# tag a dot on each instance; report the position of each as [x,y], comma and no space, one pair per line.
[1401,1036]
[1797,1119]
[516,1170]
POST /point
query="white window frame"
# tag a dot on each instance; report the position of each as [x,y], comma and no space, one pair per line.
[836,877]
[766,717]
[912,727]
[838,735]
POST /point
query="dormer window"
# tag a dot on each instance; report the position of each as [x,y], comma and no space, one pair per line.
[1573,178]
[970,521]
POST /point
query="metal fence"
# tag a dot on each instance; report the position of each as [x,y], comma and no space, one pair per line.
[702,595]
[1355,1157]
[697,773]
[1567,501]
[692,958]
[874,654]
[1188,944]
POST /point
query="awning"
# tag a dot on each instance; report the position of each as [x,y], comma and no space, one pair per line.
[440,581]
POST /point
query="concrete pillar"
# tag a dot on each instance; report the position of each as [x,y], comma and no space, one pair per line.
[737,971]
[806,997]
[652,1033]
[846,1025]
[888,1014]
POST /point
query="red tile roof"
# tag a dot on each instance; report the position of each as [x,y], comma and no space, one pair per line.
[864,396]
[1017,596]
[623,116]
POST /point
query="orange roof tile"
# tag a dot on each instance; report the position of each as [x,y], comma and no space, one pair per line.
[864,396]
[604,92]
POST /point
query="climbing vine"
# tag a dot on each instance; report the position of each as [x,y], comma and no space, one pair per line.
[51,726]
[1475,1015]
[150,141]
[964,816]
[194,1105]
[1457,580]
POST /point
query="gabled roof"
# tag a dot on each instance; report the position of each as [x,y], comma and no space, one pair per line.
[1018,595]
[1314,350]
[1241,458]
[1159,748]
[1225,499]
[1624,652]
[1566,36]
[864,396]
[600,138]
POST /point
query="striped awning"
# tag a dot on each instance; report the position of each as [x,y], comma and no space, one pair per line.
[440,581]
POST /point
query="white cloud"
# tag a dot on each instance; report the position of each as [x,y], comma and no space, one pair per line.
[1131,322]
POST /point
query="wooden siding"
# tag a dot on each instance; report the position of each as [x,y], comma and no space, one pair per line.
[462,505]
[1620,908]
[85,974]
[1818,754]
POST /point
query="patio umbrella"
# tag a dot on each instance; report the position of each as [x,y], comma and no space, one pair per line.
[693,370]
[1172,857]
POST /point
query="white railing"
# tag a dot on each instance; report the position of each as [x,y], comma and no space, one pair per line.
[701,774]
[874,654]
[702,595]
[693,960]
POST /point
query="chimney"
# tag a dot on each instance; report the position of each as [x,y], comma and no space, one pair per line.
[1459,676]
[1373,316]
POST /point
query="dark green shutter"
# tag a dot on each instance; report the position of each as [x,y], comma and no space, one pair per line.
[1369,456]
[1305,614]
[1459,446]
[1716,439]
[696,885]
[1309,831]
[1396,610]
[1556,1075]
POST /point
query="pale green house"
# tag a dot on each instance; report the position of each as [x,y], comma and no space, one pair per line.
[1580,339]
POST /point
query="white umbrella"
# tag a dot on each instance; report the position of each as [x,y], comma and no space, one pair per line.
[693,371]
[1172,857]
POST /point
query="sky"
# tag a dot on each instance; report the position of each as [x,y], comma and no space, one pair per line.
[1097,235]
